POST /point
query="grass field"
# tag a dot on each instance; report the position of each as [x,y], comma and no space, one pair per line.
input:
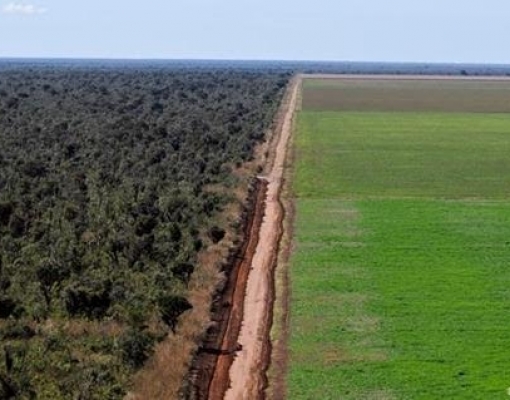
[400,275]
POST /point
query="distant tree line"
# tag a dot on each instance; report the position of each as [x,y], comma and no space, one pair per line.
[104,205]
[273,66]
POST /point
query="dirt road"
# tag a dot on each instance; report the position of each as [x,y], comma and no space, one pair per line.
[235,354]
[247,373]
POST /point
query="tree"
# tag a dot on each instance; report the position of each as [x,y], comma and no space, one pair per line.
[183,272]
[171,307]
[50,276]
[135,346]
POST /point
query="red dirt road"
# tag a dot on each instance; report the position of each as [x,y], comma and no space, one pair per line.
[235,354]
[247,373]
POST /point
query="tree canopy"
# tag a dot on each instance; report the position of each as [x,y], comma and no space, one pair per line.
[104,205]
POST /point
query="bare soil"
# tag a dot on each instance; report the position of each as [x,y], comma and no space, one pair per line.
[406,77]
[407,93]
[235,354]
[209,373]
[248,371]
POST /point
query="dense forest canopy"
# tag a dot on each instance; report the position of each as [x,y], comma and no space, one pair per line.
[330,67]
[105,202]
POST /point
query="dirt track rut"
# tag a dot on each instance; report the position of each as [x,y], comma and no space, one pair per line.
[235,355]
[248,371]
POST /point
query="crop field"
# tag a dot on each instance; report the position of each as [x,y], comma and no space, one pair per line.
[400,278]
[383,94]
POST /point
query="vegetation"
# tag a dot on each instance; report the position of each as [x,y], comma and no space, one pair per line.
[404,154]
[404,220]
[111,182]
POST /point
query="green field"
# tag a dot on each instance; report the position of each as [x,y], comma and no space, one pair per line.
[400,274]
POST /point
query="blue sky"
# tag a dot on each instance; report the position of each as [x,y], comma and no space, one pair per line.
[355,30]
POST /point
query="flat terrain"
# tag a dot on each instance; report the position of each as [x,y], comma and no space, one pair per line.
[400,278]
[403,154]
[407,94]
[248,371]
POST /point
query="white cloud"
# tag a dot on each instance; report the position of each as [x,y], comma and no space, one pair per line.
[22,8]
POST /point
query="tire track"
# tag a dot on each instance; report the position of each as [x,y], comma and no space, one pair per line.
[248,371]
[235,355]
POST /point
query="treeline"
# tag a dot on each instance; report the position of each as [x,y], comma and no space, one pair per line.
[105,201]
[311,67]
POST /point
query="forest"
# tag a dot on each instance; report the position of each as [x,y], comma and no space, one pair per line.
[112,180]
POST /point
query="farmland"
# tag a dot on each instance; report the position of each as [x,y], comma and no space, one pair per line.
[488,95]
[399,275]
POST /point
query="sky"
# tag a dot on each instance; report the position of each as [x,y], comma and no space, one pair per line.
[459,31]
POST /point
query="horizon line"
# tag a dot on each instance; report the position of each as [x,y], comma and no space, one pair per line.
[255,60]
